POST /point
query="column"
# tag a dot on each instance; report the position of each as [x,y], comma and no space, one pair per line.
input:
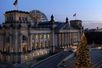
[38,42]
[10,43]
[64,40]
[36,46]
[16,43]
[40,38]
[72,39]
[43,41]
[53,41]
[19,40]
[34,42]
[21,43]
[4,43]
[68,39]
[16,40]
[29,42]
[57,40]
[47,40]
[60,40]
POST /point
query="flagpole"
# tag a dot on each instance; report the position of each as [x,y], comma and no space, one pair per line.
[16,7]
[16,4]
[74,16]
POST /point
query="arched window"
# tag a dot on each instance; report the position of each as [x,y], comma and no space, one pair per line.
[24,38]
[24,48]
[20,19]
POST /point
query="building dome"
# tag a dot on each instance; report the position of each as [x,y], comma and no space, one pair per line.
[38,16]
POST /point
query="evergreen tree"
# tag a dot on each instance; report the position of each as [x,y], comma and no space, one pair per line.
[82,54]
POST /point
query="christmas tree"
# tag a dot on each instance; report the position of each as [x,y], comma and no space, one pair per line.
[82,54]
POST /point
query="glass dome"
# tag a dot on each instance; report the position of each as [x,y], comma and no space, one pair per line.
[38,16]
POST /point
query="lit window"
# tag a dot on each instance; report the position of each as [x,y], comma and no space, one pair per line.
[45,36]
[36,36]
[36,44]
[40,36]
[26,57]
[46,44]
[48,36]
[40,44]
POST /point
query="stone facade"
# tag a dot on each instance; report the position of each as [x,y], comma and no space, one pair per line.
[23,39]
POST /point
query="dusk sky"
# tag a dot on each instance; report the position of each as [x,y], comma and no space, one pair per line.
[85,9]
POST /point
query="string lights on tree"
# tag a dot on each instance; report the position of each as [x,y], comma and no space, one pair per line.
[82,54]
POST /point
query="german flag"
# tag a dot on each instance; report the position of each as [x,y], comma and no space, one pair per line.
[15,3]
[74,15]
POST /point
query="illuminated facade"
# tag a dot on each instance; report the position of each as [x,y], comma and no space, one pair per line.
[25,36]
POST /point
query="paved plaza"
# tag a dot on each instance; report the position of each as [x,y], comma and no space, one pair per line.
[96,58]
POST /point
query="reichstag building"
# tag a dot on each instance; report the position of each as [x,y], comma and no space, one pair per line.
[28,35]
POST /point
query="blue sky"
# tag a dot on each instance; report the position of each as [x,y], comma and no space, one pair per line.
[85,9]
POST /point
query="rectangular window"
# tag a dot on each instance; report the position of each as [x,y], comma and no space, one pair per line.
[48,36]
[20,19]
[33,37]
[26,19]
[36,45]
[44,36]
[36,36]
[41,36]
[26,58]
